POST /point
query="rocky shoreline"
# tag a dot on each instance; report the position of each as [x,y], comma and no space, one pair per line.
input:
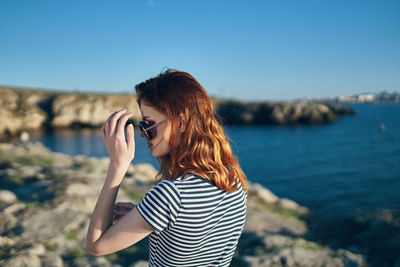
[23,110]
[46,200]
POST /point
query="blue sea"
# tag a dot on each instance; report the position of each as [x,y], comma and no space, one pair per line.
[333,169]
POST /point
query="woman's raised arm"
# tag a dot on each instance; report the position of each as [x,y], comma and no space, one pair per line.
[103,236]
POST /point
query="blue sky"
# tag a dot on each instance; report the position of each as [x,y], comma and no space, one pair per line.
[251,50]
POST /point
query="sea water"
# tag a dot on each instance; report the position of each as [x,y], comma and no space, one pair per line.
[333,169]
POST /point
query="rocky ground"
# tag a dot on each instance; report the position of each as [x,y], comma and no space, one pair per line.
[30,110]
[46,200]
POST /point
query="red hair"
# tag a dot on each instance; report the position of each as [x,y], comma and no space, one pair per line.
[202,146]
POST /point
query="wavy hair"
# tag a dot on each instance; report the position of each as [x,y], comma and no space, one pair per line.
[202,146]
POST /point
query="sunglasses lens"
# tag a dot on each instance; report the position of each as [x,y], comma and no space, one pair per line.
[142,133]
[148,134]
[142,126]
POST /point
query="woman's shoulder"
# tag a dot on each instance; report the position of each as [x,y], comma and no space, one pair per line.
[166,187]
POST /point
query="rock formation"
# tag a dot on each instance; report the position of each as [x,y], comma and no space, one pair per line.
[89,110]
[27,110]
[20,111]
[280,113]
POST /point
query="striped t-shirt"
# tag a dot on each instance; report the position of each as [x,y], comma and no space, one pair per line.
[195,223]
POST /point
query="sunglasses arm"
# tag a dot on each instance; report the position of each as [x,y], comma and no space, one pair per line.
[154,125]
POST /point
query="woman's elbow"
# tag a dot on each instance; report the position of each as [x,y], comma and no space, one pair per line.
[93,250]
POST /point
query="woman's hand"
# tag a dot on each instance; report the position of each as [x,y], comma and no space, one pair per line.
[121,152]
[121,209]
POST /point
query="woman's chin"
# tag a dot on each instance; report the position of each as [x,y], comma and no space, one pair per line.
[155,153]
[158,154]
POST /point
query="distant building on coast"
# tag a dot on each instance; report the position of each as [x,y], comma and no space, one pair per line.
[369,98]
[363,98]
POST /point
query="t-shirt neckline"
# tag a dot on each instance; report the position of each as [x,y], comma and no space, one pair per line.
[200,177]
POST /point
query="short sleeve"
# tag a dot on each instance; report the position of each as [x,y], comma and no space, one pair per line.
[161,205]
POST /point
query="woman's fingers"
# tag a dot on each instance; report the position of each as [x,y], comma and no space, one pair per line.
[112,115]
[102,131]
[113,119]
[105,128]
[121,208]
[121,124]
[116,218]
[125,204]
[120,212]
[130,137]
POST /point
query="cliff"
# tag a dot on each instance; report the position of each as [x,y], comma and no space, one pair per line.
[29,110]
[46,200]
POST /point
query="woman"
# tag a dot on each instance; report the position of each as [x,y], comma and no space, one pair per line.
[196,213]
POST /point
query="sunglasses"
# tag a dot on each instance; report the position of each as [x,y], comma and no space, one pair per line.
[148,131]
